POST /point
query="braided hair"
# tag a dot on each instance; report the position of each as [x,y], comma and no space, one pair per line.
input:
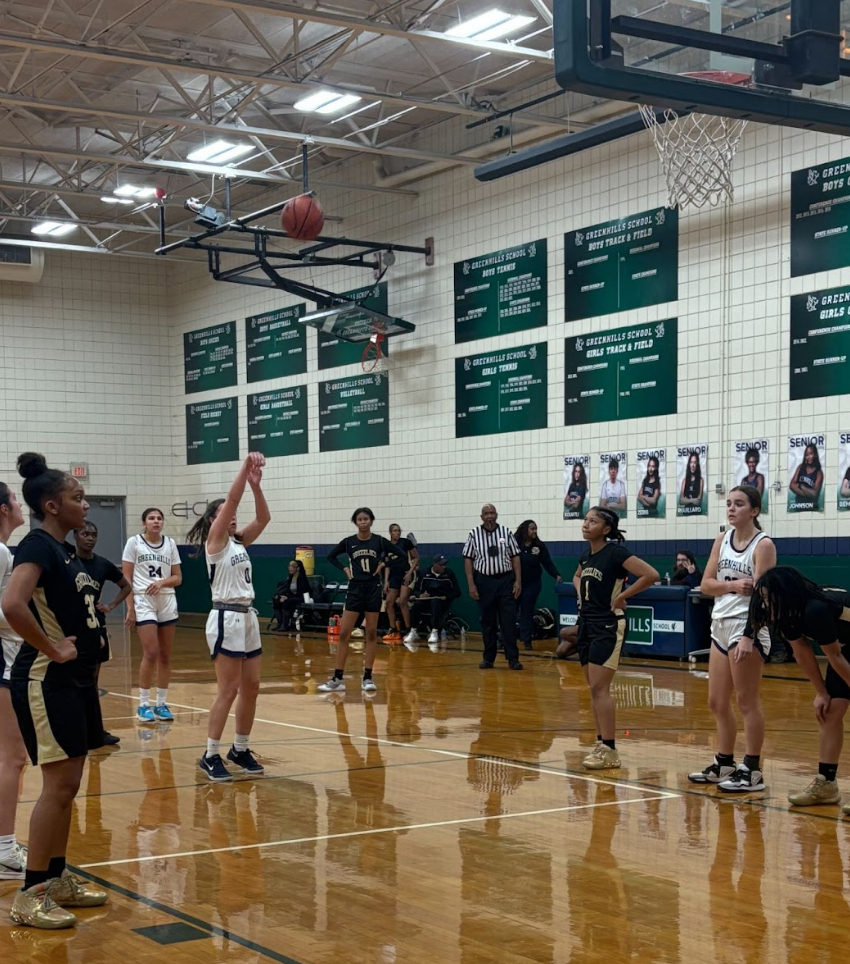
[612,520]
[779,600]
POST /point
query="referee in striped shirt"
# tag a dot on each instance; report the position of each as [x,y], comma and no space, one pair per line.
[491,562]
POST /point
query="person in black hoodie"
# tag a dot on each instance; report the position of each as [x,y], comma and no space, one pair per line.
[289,595]
[438,588]
[534,558]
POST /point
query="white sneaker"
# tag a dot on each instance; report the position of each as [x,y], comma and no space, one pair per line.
[13,865]
[357,633]
[433,636]
[369,686]
[333,685]
[412,637]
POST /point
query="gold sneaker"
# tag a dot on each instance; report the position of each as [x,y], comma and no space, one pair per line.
[601,757]
[36,907]
[820,790]
[70,891]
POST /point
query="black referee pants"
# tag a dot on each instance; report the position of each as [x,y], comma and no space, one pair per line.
[498,611]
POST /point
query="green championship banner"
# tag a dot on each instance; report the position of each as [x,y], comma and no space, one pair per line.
[354,413]
[844,472]
[751,467]
[622,373]
[276,344]
[820,343]
[651,474]
[618,265]
[335,351]
[212,431]
[501,391]
[692,480]
[820,218]
[576,488]
[277,422]
[806,461]
[501,292]
[209,358]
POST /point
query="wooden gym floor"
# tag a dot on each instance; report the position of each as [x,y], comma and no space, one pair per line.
[446,821]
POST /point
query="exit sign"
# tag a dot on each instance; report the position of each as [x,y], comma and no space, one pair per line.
[80,471]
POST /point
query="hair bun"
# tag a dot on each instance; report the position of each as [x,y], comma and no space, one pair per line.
[31,464]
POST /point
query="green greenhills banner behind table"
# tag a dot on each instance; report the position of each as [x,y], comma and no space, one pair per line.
[628,263]
[501,391]
[277,422]
[212,431]
[622,373]
[209,358]
[501,292]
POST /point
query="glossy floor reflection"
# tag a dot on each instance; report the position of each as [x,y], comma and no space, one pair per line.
[447,820]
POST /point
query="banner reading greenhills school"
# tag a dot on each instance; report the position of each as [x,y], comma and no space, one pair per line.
[501,292]
[212,431]
[691,480]
[622,373]
[806,473]
[501,391]
[209,358]
[334,351]
[576,488]
[651,474]
[629,263]
[613,482]
[820,217]
[277,422]
[276,344]
[819,361]
[844,472]
[354,413]
[751,466]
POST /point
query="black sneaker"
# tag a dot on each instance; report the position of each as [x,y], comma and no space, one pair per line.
[244,759]
[215,769]
[713,773]
[485,664]
[515,664]
[743,780]
[109,739]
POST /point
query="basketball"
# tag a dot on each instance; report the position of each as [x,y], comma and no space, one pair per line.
[303,218]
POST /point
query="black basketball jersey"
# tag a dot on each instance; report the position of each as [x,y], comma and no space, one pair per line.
[825,620]
[102,571]
[602,578]
[364,555]
[398,565]
[64,604]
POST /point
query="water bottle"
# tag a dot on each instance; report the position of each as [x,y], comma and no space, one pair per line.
[666,578]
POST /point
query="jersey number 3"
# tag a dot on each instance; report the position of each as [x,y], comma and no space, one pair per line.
[92,621]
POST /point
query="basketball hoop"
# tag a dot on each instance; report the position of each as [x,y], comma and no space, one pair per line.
[373,357]
[696,150]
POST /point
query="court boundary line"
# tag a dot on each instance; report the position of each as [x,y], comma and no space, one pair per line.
[264,845]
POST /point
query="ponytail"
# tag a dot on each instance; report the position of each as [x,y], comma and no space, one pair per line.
[197,535]
[754,497]
[612,520]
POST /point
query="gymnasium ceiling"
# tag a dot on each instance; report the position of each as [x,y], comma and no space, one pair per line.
[96,94]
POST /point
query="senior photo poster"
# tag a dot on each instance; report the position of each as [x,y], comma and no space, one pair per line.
[751,467]
[806,464]
[613,478]
[576,488]
[651,474]
[844,472]
[692,479]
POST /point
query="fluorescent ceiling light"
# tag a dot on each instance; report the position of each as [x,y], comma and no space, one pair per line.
[54,229]
[489,26]
[219,152]
[117,200]
[130,190]
[326,102]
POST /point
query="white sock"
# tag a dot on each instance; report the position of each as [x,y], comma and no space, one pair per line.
[144,697]
[213,748]
[240,742]
[7,845]
[161,697]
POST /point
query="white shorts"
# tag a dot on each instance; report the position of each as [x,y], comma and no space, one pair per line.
[160,609]
[7,656]
[726,632]
[233,634]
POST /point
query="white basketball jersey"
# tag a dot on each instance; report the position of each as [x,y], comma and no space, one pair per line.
[6,631]
[735,564]
[230,575]
[151,563]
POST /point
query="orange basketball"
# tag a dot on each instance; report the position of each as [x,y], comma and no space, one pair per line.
[303,218]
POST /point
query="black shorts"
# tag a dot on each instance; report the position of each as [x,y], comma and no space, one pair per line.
[396,580]
[836,687]
[363,597]
[58,720]
[105,653]
[600,640]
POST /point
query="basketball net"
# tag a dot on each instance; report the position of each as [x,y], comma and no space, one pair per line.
[373,357]
[696,151]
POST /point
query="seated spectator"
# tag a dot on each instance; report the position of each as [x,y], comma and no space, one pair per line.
[687,572]
[289,595]
[438,588]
